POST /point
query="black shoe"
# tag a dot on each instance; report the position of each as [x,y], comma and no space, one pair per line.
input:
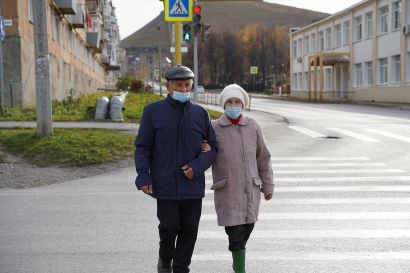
[164,267]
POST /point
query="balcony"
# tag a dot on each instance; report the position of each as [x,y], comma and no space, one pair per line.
[67,6]
[93,40]
[93,8]
[78,20]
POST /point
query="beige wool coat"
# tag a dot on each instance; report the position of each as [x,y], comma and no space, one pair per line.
[241,171]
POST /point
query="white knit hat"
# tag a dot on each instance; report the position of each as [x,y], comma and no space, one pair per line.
[234,91]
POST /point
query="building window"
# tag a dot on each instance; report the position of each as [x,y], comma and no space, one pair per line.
[369,73]
[300,81]
[396,15]
[306,45]
[294,48]
[299,47]
[383,69]
[369,24]
[313,43]
[338,35]
[306,81]
[295,81]
[321,41]
[328,38]
[408,67]
[396,69]
[383,19]
[346,32]
[358,28]
[358,74]
[328,79]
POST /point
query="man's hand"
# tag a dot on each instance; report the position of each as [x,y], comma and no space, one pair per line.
[188,172]
[147,189]
[205,147]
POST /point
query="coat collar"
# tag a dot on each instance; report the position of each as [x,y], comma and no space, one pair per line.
[224,121]
[176,103]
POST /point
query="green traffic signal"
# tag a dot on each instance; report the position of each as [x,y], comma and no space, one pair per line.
[187,37]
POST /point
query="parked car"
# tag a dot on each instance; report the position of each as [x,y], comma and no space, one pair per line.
[200,89]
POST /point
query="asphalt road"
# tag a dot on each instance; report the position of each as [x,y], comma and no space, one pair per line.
[341,204]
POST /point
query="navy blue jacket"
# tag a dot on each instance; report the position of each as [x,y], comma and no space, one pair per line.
[170,136]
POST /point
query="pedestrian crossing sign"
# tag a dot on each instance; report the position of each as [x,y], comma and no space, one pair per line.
[178,10]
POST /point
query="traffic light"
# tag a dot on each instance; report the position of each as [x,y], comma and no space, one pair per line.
[197,19]
[186,32]
[205,31]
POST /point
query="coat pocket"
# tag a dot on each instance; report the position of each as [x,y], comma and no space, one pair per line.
[219,184]
[257,181]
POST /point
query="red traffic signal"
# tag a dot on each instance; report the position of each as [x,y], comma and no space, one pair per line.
[197,9]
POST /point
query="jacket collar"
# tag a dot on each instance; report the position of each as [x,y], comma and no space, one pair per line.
[224,121]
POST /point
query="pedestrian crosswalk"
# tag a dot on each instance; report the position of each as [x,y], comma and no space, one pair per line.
[338,208]
[361,134]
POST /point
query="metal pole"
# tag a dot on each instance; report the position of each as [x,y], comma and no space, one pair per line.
[1,78]
[195,66]
[160,70]
[42,59]
[178,42]
[1,75]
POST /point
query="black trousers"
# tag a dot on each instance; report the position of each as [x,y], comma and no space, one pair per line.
[178,230]
[238,236]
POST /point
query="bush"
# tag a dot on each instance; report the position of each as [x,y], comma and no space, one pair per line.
[136,86]
[124,83]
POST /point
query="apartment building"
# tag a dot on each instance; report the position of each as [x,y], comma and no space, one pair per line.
[77,45]
[361,54]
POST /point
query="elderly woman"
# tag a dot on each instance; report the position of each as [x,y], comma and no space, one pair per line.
[241,171]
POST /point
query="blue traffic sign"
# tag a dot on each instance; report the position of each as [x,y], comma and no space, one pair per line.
[2,29]
[178,10]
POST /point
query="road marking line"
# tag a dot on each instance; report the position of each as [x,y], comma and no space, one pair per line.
[352,215]
[369,188]
[327,201]
[339,171]
[319,158]
[316,233]
[353,164]
[342,179]
[307,256]
[391,135]
[306,131]
[353,134]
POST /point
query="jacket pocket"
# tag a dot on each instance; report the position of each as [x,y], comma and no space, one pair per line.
[219,184]
[257,181]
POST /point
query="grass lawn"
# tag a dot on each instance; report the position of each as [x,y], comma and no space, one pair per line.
[83,108]
[73,147]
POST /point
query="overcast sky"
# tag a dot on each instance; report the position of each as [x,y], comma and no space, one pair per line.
[134,14]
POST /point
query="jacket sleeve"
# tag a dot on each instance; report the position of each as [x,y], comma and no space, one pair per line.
[263,158]
[143,152]
[200,164]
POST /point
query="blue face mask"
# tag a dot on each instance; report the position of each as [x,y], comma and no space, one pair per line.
[181,96]
[233,112]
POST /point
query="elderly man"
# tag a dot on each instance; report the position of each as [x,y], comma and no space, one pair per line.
[170,167]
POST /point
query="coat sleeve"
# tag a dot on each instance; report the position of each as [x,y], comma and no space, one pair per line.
[143,152]
[200,164]
[263,158]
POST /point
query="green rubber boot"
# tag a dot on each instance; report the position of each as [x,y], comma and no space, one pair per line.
[238,261]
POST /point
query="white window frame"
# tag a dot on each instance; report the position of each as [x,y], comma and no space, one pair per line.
[338,35]
[369,24]
[396,69]
[346,33]
[383,22]
[313,43]
[396,14]
[328,79]
[383,71]
[306,45]
[294,49]
[30,11]
[321,40]
[358,68]
[299,51]
[369,73]
[328,38]
[408,67]
[358,28]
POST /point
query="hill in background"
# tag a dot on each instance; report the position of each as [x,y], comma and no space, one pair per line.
[226,15]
